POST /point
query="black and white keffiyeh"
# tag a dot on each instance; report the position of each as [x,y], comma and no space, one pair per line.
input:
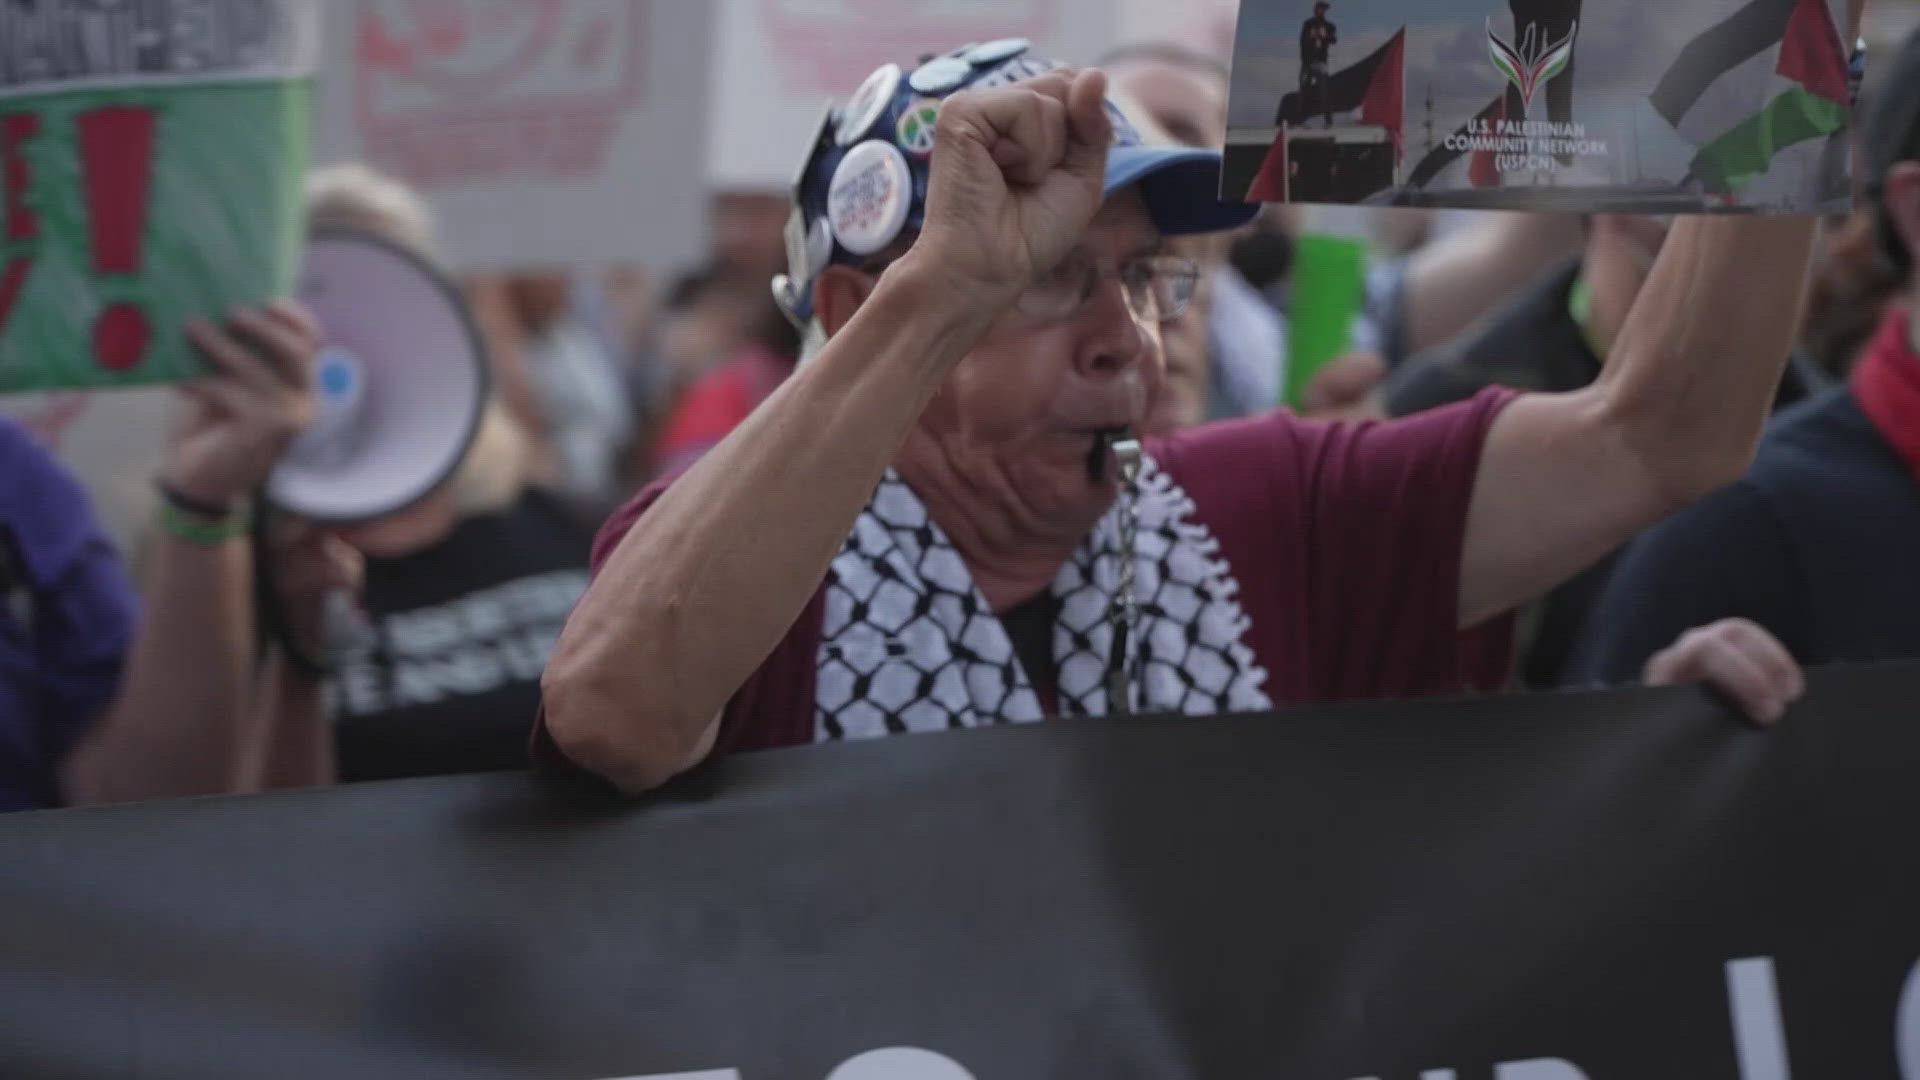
[910,645]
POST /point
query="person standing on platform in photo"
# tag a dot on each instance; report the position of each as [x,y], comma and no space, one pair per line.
[941,521]
[1816,545]
[1318,36]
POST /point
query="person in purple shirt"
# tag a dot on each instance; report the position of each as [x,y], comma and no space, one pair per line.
[67,614]
[100,694]
[937,522]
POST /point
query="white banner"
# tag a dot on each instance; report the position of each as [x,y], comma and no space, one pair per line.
[781,61]
[545,132]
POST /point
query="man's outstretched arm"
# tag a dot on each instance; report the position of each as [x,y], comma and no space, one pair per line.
[1688,386]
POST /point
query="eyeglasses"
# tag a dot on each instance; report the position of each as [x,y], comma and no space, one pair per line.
[1158,288]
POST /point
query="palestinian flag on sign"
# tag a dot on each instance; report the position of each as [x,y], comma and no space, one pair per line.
[1771,75]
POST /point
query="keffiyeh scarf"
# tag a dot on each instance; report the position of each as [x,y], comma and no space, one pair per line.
[910,645]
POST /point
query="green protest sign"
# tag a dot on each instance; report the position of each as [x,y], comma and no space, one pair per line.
[151,166]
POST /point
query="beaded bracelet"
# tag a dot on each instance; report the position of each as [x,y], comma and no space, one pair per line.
[197,523]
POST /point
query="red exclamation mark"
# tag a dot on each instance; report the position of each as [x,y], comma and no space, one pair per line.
[17,223]
[116,164]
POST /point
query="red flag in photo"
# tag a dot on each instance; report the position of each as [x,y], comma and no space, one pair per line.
[1484,171]
[1270,183]
[1811,53]
[1385,101]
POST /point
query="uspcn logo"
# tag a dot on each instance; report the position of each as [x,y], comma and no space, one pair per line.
[1535,62]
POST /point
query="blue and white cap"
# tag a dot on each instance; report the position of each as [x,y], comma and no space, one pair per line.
[864,184]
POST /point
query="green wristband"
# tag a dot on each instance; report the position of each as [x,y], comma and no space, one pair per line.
[201,531]
[1580,307]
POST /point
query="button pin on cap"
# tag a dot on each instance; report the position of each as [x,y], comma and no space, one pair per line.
[914,130]
[819,247]
[941,75]
[869,103]
[996,52]
[870,197]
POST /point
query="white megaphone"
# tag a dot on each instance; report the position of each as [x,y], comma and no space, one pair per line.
[400,382]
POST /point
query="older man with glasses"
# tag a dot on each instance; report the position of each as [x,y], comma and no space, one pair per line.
[944,520]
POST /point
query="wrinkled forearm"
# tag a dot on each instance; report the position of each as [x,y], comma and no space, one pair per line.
[1566,478]
[1691,380]
[711,577]
[179,724]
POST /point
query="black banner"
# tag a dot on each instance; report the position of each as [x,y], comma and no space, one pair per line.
[1626,885]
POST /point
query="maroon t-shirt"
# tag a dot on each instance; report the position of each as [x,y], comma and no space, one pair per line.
[1345,538]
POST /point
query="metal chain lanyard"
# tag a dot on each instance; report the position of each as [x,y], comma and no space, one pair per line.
[1123,608]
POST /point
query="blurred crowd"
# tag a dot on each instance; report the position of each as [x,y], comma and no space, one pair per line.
[235,649]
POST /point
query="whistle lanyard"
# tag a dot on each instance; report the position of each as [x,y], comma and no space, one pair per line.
[1123,609]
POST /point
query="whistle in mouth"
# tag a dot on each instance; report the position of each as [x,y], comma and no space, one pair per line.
[1111,439]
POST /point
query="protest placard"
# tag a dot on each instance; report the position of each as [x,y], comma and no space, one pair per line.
[544,133]
[151,158]
[781,61]
[1571,105]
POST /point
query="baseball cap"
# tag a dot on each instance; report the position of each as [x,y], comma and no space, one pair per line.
[864,183]
[1892,135]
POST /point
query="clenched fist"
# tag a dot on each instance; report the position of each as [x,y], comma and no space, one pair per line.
[256,397]
[1017,174]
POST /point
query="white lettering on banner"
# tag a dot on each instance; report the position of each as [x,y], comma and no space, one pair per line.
[1906,1027]
[1759,1036]
[895,1063]
[1539,1069]
[1759,1041]
[901,1063]
[1535,1069]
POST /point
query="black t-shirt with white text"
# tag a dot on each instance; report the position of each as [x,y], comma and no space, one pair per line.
[450,680]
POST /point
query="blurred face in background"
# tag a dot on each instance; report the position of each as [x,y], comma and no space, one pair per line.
[1900,194]
[1181,401]
[749,234]
[540,299]
[1189,104]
